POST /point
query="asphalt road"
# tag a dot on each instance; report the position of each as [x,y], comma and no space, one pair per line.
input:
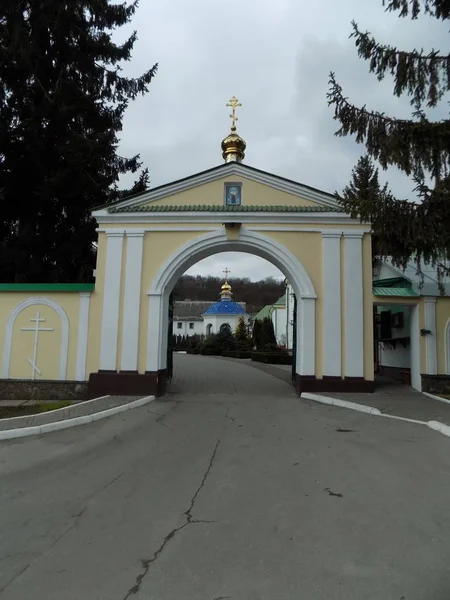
[231,488]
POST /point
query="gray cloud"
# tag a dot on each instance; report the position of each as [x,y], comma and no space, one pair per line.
[276,58]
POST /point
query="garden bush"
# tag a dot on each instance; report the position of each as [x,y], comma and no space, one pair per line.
[272,358]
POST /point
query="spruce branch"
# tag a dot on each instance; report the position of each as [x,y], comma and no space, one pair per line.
[424,77]
[412,146]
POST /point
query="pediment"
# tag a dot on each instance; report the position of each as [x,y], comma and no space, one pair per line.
[205,192]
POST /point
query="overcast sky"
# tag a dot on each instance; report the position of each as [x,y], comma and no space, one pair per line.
[276,58]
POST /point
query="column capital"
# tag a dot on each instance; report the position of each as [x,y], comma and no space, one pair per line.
[85,294]
[135,233]
[354,234]
[429,299]
[115,233]
[333,234]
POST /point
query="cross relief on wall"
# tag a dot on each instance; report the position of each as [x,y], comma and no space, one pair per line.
[36,329]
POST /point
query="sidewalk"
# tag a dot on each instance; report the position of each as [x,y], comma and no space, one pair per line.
[400,400]
[81,412]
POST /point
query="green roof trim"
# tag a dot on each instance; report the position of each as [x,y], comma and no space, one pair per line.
[264,312]
[223,208]
[281,301]
[394,282]
[398,292]
[47,287]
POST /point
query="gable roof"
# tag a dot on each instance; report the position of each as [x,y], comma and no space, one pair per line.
[428,287]
[224,170]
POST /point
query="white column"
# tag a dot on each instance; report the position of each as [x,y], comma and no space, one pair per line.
[354,305]
[306,332]
[131,303]
[82,343]
[157,331]
[430,338]
[111,301]
[416,379]
[331,249]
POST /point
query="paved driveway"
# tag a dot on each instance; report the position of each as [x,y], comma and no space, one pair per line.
[230,488]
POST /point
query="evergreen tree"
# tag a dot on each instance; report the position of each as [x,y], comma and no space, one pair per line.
[241,330]
[419,147]
[62,101]
[365,187]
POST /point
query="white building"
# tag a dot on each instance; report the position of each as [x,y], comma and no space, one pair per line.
[282,315]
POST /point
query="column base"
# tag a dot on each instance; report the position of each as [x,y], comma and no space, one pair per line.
[350,385]
[127,383]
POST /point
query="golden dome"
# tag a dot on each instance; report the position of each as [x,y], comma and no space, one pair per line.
[233,147]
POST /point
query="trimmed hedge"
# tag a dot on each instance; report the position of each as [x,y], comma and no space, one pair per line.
[272,358]
[236,354]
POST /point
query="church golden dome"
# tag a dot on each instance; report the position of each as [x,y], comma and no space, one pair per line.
[226,287]
[233,146]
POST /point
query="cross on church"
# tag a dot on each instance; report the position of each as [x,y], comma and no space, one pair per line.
[233,104]
[227,272]
[36,329]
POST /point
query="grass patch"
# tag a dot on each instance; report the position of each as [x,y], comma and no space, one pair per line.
[6,412]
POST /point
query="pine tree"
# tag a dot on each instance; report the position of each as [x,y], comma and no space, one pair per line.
[365,187]
[241,330]
[62,101]
[418,147]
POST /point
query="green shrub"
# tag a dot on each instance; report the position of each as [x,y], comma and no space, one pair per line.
[236,354]
[272,358]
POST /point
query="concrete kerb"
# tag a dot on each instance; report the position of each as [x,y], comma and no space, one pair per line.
[371,410]
[75,421]
[436,397]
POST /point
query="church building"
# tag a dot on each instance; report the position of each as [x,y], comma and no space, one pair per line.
[205,318]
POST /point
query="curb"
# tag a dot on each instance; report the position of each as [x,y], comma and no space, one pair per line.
[8,434]
[371,410]
[342,403]
[436,397]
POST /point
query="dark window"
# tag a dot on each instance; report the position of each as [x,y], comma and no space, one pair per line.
[191,325]
[179,325]
[385,325]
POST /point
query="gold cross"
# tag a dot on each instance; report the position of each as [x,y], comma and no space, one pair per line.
[227,272]
[233,104]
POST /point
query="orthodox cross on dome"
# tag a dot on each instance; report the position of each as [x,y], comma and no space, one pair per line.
[227,272]
[233,104]
[36,329]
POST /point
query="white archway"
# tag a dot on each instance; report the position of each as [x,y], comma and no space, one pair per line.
[64,346]
[216,242]
[447,348]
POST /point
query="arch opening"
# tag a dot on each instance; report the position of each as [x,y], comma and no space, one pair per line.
[214,243]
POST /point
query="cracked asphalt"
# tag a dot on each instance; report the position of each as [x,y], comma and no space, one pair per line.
[229,488]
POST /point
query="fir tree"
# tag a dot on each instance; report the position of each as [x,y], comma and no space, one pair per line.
[419,147]
[364,187]
[241,330]
[62,101]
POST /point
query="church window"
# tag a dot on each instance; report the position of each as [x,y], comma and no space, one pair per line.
[179,325]
[191,325]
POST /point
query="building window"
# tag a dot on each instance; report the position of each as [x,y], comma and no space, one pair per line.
[191,325]
[179,325]
[233,194]
[225,328]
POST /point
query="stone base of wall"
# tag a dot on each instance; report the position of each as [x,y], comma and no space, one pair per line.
[127,383]
[27,389]
[402,374]
[436,384]
[351,385]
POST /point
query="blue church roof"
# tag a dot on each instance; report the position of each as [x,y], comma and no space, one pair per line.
[225,307]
